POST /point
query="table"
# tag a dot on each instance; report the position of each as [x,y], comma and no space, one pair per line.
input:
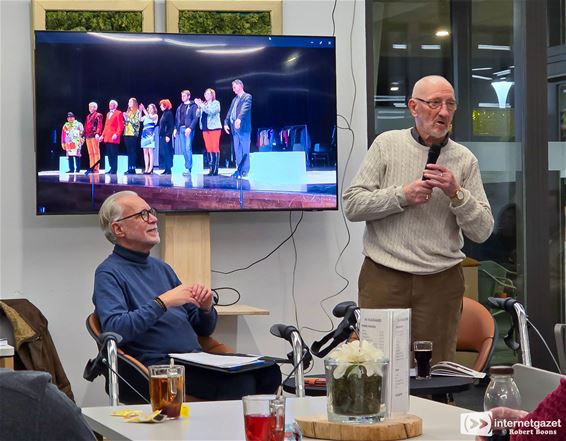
[222,420]
[239,309]
[438,387]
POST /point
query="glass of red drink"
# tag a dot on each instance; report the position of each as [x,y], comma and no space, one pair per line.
[264,417]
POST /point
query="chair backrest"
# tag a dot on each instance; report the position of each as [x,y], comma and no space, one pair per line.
[135,372]
[477,332]
[560,337]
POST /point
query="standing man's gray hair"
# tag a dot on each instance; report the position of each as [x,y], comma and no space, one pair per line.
[110,211]
[239,82]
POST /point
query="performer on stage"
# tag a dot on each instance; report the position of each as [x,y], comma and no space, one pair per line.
[238,122]
[166,124]
[185,124]
[148,136]
[211,127]
[93,130]
[132,119]
[71,141]
[113,128]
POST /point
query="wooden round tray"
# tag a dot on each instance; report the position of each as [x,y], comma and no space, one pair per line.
[402,427]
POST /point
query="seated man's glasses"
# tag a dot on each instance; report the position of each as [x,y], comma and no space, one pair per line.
[437,104]
[144,214]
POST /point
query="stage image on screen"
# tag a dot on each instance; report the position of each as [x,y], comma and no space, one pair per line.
[189,122]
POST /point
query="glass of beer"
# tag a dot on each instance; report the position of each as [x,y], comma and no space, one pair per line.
[264,417]
[423,355]
[167,389]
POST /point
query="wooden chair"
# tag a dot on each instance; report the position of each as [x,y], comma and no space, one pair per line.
[477,332]
[136,372]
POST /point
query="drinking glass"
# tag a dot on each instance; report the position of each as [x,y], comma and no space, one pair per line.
[167,388]
[264,417]
[423,355]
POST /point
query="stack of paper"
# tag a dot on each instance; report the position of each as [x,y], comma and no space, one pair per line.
[219,361]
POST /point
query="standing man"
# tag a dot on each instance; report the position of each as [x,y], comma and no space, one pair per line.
[93,130]
[185,123]
[113,128]
[239,122]
[415,219]
[142,299]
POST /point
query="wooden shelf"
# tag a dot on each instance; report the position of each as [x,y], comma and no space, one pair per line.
[239,309]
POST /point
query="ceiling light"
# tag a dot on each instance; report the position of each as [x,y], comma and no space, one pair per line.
[479,77]
[399,46]
[394,88]
[494,47]
[481,68]
[442,33]
[430,47]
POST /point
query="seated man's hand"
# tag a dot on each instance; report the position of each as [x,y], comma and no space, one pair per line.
[196,294]
[202,297]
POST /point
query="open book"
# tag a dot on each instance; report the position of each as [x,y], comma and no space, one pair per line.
[451,369]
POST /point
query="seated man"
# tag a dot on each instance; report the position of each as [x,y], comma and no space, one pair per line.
[142,299]
[33,408]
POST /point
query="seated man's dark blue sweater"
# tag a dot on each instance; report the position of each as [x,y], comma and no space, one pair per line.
[125,286]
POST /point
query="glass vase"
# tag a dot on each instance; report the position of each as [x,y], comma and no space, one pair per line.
[356,391]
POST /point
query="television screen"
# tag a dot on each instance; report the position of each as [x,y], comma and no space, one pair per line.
[189,122]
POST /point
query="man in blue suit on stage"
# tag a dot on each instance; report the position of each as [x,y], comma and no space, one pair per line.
[238,122]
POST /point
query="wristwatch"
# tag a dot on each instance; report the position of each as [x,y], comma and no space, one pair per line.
[458,198]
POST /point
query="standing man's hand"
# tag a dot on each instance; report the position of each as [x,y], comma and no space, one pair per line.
[237,124]
[188,131]
[440,177]
[167,139]
[114,137]
[174,133]
[227,129]
[417,192]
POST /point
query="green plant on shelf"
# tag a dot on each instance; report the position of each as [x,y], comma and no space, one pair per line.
[94,21]
[217,22]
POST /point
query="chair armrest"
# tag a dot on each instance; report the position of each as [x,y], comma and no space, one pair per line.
[210,344]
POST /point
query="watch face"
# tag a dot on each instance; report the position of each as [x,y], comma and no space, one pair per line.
[460,195]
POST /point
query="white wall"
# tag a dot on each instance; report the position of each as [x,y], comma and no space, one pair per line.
[51,260]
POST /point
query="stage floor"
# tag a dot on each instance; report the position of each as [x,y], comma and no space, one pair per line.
[78,192]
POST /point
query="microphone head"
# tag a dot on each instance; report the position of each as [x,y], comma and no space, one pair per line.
[433,153]
[341,308]
[277,330]
[283,331]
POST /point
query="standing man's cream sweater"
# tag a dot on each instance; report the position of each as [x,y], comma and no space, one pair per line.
[417,239]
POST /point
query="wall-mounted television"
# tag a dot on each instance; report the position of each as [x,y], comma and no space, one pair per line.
[291,161]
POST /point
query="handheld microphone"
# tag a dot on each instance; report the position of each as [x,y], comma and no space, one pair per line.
[433,154]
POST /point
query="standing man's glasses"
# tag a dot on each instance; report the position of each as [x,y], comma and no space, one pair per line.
[144,214]
[437,104]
